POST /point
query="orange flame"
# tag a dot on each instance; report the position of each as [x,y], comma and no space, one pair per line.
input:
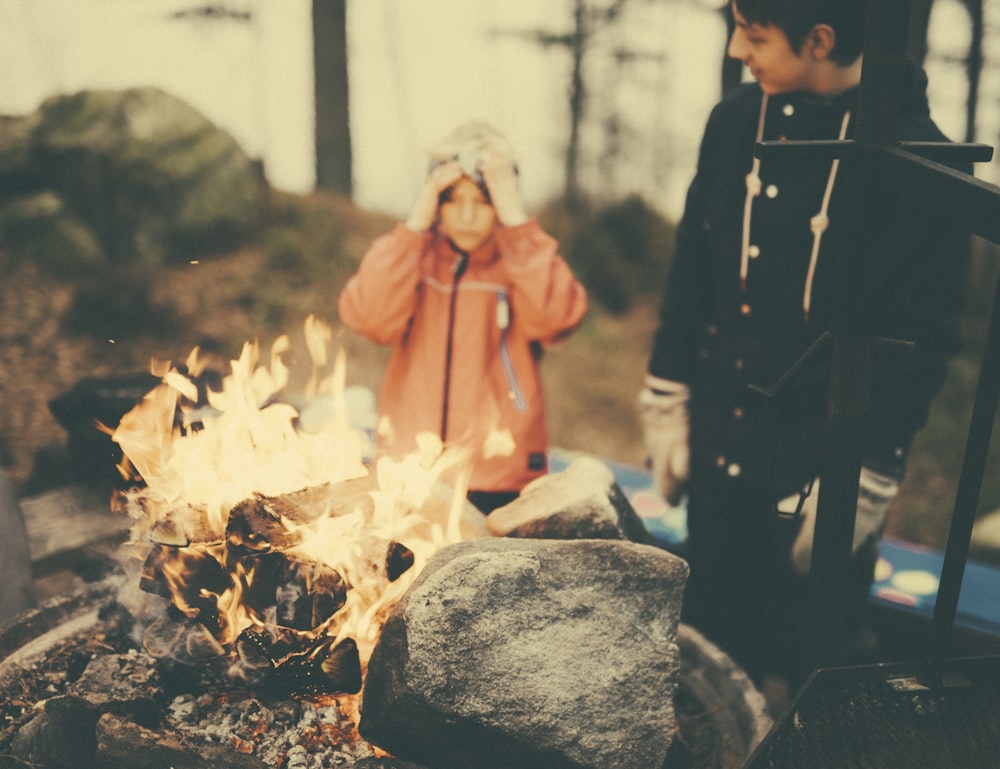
[201,456]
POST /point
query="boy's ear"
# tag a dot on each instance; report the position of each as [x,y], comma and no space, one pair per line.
[821,41]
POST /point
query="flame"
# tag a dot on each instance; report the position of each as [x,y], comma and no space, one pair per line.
[202,453]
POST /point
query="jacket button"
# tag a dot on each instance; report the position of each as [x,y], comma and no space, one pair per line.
[712,329]
[745,309]
[738,412]
[771,191]
[734,470]
[753,252]
[720,461]
[788,109]
[738,363]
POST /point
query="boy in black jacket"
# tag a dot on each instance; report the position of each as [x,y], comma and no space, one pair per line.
[750,290]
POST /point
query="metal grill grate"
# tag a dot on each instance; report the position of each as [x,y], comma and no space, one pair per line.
[883,717]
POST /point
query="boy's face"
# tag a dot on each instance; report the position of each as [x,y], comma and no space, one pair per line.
[769,56]
[466,215]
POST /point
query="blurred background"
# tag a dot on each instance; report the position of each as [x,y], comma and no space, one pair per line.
[176,173]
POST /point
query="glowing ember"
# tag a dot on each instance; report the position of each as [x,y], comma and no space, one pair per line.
[274,542]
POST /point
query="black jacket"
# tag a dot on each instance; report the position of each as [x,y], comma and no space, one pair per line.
[721,336]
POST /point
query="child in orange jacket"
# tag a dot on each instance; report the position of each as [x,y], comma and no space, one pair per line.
[467,291]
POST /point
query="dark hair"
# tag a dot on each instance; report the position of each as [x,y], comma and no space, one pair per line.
[797,17]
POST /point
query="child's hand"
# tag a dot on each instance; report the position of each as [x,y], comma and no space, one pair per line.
[501,180]
[425,209]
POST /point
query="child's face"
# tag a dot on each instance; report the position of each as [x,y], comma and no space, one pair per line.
[465,215]
[770,57]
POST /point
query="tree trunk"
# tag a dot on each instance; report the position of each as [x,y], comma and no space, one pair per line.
[332,128]
[973,66]
[920,17]
[572,195]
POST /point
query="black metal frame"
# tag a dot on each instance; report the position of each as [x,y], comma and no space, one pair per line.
[917,173]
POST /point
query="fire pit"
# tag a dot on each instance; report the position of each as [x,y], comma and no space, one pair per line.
[153,714]
[268,555]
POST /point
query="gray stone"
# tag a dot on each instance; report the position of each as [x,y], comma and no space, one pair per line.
[582,502]
[61,736]
[17,591]
[530,653]
[129,178]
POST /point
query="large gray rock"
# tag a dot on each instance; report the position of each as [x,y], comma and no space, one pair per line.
[146,177]
[531,653]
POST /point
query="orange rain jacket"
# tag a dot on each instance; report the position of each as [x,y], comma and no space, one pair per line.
[467,332]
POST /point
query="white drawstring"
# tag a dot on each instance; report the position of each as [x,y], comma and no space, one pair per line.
[818,223]
[753,190]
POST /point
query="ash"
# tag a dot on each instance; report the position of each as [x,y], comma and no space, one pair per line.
[201,705]
[293,734]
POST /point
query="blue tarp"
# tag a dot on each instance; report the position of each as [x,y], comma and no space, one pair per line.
[906,577]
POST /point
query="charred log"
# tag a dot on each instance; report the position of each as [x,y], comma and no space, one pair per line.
[398,560]
[317,666]
[303,596]
[262,523]
[192,579]
[328,669]
[257,525]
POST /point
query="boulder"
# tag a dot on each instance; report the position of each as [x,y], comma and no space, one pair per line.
[530,653]
[129,178]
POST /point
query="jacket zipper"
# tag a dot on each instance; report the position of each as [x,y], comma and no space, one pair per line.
[458,269]
[503,322]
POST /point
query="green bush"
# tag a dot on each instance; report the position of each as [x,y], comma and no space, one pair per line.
[620,251]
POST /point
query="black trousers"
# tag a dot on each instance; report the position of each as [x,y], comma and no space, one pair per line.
[742,592]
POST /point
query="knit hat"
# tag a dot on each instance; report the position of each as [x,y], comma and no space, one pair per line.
[467,144]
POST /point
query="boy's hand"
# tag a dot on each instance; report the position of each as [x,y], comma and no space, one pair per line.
[425,209]
[501,180]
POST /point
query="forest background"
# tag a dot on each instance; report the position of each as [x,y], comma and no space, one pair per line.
[605,156]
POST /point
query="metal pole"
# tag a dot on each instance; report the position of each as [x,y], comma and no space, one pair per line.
[879,102]
[967,497]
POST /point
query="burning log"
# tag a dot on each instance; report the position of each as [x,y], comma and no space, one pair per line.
[398,560]
[264,522]
[303,596]
[296,664]
[258,525]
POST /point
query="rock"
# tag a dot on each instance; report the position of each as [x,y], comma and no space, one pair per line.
[131,178]
[60,736]
[530,653]
[582,502]
[17,588]
[123,684]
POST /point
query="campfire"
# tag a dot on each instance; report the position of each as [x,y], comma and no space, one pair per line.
[272,543]
[271,562]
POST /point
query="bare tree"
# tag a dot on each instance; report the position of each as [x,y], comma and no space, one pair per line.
[920,19]
[973,65]
[333,127]
[589,18]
